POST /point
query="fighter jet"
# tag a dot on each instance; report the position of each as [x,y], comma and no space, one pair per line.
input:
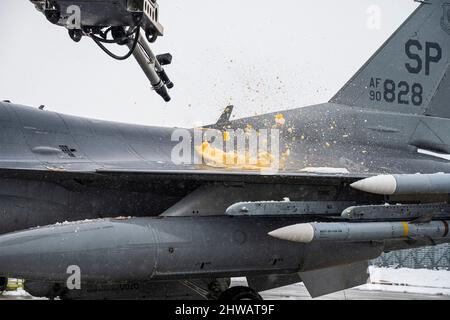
[126,211]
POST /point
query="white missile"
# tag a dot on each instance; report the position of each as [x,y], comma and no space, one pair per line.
[364,231]
[383,184]
[302,232]
[438,183]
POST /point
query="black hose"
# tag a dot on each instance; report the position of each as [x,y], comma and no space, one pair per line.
[105,34]
[112,55]
[99,39]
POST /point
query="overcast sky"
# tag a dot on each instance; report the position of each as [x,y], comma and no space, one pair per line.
[259,55]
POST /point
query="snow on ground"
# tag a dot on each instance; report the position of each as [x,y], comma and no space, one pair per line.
[411,277]
[425,281]
[17,293]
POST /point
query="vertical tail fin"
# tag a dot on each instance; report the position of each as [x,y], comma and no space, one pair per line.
[410,72]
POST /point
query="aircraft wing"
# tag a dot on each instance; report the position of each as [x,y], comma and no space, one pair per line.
[145,170]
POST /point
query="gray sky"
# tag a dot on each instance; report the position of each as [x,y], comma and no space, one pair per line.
[259,55]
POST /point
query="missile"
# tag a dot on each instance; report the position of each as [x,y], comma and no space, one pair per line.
[363,231]
[288,208]
[438,183]
[408,212]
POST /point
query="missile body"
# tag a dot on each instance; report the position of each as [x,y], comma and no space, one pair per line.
[288,208]
[438,183]
[360,231]
[398,212]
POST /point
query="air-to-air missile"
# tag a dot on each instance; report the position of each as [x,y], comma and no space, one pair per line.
[374,222]
[405,184]
[281,208]
[415,212]
[363,231]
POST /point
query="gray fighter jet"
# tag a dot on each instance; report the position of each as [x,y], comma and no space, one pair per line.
[143,224]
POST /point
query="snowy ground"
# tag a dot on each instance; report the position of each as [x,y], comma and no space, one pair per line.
[424,281]
[17,293]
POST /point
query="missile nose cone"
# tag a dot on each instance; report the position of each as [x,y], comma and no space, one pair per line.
[302,232]
[382,184]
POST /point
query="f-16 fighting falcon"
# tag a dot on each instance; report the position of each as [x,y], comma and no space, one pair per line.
[145,212]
